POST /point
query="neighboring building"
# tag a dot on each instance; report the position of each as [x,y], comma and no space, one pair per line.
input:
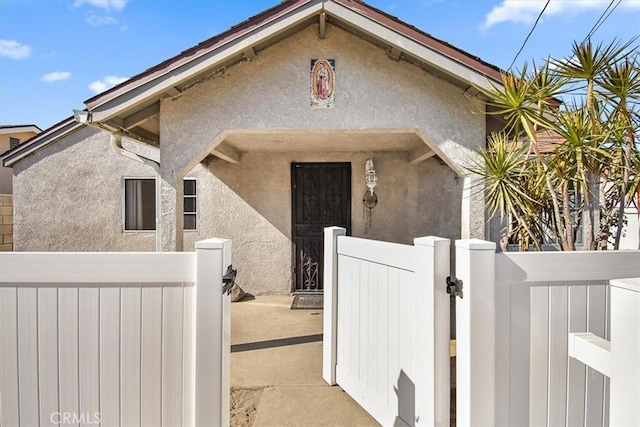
[271,125]
[10,137]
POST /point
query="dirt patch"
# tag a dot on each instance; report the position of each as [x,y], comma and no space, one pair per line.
[244,406]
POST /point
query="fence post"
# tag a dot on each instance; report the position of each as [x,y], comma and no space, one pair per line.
[330,312]
[212,335]
[625,353]
[432,345]
[475,333]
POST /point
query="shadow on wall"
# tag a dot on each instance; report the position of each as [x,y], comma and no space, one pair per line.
[265,186]
[406,392]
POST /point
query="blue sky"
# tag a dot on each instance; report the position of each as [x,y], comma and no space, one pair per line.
[55,54]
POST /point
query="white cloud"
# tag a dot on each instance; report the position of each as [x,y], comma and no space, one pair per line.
[109,5]
[106,83]
[526,11]
[99,21]
[55,76]
[14,50]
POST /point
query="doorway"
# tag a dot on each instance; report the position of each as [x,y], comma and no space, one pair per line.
[321,197]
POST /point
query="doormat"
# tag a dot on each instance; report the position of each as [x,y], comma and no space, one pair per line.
[307,302]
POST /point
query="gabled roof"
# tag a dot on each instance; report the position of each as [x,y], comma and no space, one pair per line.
[337,9]
[128,105]
[131,108]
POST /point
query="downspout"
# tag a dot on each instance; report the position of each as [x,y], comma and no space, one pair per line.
[116,144]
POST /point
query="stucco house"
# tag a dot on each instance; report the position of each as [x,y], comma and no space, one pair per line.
[262,135]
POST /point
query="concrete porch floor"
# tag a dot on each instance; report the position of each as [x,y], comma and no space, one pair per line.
[276,369]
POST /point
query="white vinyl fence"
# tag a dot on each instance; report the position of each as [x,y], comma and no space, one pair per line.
[115,338]
[513,326]
[386,326]
[619,357]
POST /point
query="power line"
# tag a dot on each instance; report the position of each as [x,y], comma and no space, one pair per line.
[530,32]
[601,20]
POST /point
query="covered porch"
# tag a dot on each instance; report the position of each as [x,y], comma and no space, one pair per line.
[253,189]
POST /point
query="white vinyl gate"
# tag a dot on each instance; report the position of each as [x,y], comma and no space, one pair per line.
[115,338]
[380,345]
[525,323]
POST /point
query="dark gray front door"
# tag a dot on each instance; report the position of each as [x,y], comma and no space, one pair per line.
[321,197]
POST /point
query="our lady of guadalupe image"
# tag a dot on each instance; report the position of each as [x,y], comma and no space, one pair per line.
[323,82]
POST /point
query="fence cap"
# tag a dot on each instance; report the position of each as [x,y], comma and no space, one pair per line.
[431,241]
[213,243]
[476,245]
[632,284]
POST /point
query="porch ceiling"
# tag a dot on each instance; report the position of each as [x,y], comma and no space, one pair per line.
[324,141]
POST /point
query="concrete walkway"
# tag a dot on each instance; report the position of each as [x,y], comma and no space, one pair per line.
[276,369]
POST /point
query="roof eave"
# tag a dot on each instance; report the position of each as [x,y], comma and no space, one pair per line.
[54,133]
[202,49]
[19,129]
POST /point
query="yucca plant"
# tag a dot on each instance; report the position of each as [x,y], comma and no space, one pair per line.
[505,174]
[528,102]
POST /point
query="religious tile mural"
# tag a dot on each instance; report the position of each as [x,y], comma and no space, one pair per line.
[323,83]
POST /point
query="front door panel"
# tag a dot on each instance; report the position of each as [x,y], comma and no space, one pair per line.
[321,198]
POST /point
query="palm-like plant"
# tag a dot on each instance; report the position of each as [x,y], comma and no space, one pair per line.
[524,101]
[587,64]
[620,88]
[528,102]
[504,177]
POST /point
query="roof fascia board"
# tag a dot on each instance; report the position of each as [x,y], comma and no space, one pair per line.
[405,44]
[39,141]
[200,64]
[20,129]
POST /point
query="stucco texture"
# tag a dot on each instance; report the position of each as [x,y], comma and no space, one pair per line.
[68,197]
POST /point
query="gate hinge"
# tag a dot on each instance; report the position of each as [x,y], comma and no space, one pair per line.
[228,280]
[454,286]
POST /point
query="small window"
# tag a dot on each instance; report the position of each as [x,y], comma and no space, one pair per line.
[139,204]
[13,142]
[190,204]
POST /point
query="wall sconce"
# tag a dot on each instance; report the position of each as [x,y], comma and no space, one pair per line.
[370,176]
[369,200]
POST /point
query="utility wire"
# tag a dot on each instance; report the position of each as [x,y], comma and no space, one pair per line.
[530,32]
[601,20]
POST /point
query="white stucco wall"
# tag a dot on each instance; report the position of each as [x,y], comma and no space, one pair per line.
[68,196]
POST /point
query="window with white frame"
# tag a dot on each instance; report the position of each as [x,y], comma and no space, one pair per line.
[140,204]
[190,204]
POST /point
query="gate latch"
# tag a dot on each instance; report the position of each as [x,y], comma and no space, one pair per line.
[228,280]
[454,286]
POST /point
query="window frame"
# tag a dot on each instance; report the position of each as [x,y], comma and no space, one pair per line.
[147,178]
[124,203]
[195,197]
